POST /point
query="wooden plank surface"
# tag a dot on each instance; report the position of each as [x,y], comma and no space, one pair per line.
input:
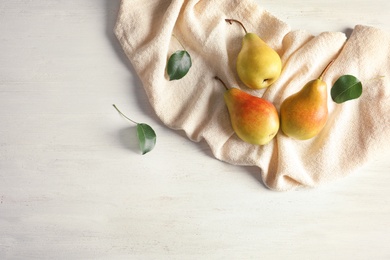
[73,185]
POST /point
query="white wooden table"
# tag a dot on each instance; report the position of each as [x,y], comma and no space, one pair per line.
[74,186]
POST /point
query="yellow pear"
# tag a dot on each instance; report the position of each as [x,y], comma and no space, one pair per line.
[254,120]
[258,65]
[304,114]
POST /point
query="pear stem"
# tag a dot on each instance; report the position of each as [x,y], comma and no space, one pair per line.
[325,70]
[124,115]
[223,83]
[234,20]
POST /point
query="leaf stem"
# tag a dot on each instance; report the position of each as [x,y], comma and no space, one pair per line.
[124,115]
[223,83]
[174,36]
[378,78]
[234,20]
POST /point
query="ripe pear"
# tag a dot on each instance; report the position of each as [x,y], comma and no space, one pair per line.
[304,114]
[254,120]
[258,65]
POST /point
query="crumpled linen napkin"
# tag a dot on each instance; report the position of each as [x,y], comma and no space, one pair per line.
[356,130]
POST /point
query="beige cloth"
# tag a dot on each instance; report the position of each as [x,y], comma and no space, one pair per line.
[355,131]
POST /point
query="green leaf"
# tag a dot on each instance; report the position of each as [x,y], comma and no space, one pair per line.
[146,137]
[146,134]
[178,65]
[347,87]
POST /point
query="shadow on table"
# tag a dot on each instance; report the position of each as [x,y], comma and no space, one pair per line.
[128,139]
[348,32]
[112,10]
[135,85]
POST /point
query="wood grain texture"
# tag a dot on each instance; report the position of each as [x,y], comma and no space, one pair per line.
[74,186]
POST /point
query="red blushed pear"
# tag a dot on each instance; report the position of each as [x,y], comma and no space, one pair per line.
[304,114]
[254,120]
